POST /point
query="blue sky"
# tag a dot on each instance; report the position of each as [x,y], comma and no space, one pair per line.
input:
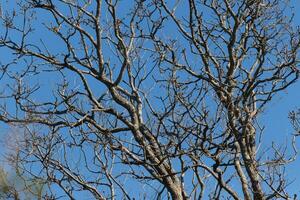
[275,117]
[277,125]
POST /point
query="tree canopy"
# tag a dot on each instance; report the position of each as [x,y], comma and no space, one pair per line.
[148,99]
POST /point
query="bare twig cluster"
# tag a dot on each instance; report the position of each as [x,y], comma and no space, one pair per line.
[152,96]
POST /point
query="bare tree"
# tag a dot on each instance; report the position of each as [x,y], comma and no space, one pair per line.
[144,99]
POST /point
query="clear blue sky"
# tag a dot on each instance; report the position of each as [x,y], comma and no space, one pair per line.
[275,117]
[277,125]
